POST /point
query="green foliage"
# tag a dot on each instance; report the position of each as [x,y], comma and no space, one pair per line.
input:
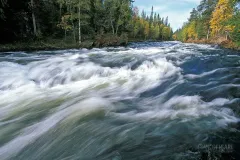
[151,28]
[235,21]
[79,20]
[198,25]
[212,19]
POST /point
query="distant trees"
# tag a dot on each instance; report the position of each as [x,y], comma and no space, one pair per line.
[213,18]
[154,28]
[79,20]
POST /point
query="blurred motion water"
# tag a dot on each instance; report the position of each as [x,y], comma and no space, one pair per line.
[146,101]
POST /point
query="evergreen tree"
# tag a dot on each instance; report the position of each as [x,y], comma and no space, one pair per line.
[166,21]
[151,17]
[76,20]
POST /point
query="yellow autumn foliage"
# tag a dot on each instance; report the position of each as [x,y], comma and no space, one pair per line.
[222,13]
[175,37]
[191,30]
[146,29]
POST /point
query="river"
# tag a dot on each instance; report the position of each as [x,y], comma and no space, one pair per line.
[149,100]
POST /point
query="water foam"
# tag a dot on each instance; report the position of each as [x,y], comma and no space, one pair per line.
[65,87]
[32,133]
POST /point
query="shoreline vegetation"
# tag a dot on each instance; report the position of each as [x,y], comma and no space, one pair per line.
[227,44]
[70,24]
[213,22]
[61,45]
[56,44]
[62,24]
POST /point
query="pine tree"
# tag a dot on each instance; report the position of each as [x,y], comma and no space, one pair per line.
[151,17]
[166,21]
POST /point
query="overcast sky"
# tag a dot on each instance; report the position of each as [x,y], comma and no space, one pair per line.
[178,11]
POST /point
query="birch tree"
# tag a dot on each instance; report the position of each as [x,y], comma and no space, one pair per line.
[79,23]
[34,18]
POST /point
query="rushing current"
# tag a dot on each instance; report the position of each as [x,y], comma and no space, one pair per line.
[146,101]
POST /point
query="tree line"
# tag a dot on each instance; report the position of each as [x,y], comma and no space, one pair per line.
[150,27]
[213,19]
[79,20]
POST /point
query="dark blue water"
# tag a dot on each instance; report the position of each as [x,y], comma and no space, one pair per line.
[146,101]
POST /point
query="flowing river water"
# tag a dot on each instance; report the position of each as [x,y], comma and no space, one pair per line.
[146,101]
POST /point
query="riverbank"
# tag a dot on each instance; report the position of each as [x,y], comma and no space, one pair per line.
[222,42]
[58,44]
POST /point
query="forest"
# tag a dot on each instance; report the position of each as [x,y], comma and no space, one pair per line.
[71,23]
[213,21]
